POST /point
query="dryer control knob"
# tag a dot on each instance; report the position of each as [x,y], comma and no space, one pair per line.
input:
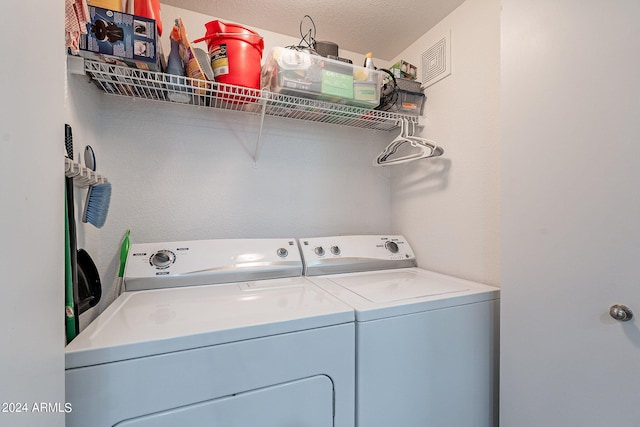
[282,252]
[391,247]
[319,250]
[335,250]
[162,259]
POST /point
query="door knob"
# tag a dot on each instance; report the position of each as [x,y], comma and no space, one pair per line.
[620,312]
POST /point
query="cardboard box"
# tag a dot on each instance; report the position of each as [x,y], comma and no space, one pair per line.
[366,91]
[114,36]
[402,69]
[337,84]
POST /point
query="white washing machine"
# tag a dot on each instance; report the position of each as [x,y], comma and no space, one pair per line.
[426,343]
[215,333]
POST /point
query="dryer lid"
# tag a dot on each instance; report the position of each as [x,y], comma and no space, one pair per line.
[153,322]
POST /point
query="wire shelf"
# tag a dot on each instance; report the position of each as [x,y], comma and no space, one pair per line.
[132,82]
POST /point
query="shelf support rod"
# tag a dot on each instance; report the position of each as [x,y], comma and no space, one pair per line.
[263,108]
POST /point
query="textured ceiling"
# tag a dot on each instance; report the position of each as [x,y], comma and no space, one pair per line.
[385,28]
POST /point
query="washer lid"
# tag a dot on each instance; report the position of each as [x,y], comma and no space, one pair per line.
[151,322]
[388,293]
[387,286]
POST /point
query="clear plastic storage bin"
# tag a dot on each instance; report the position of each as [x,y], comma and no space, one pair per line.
[411,103]
[302,74]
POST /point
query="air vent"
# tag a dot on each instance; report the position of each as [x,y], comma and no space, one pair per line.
[436,61]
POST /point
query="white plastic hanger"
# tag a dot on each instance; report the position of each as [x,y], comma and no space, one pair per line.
[425,147]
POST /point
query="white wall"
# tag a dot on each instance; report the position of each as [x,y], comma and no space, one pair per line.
[195,25]
[32,226]
[449,207]
[180,172]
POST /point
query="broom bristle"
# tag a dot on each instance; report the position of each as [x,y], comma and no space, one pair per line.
[97,205]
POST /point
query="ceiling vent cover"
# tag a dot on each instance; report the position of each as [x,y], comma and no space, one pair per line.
[436,61]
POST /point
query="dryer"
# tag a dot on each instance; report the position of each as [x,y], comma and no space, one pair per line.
[426,343]
[218,332]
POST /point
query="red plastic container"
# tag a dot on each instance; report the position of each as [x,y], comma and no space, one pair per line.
[235,53]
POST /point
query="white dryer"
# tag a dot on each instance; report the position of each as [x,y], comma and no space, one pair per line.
[215,333]
[426,343]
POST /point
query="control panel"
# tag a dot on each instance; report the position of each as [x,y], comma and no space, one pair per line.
[198,262]
[340,254]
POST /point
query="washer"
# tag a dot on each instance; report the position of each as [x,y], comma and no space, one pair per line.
[426,343]
[219,332]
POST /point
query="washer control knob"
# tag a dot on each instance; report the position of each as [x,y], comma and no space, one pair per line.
[391,247]
[162,259]
[335,250]
[282,252]
[319,250]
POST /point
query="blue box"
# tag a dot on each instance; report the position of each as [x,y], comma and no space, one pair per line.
[113,35]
